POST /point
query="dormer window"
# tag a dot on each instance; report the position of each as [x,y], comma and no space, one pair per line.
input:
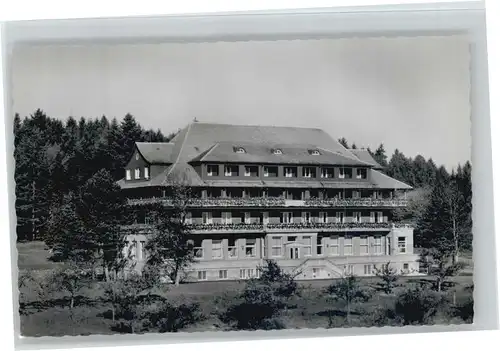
[128,175]
[314,152]
[277,152]
[239,150]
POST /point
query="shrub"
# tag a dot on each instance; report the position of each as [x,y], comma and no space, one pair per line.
[171,318]
[260,304]
[418,306]
[259,308]
[388,277]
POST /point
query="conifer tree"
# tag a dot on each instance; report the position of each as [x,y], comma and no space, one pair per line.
[380,156]
[343,142]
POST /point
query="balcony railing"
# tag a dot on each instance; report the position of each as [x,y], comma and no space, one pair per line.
[361,202]
[258,227]
[275,202]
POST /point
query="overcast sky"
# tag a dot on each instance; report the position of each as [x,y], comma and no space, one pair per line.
[408,93]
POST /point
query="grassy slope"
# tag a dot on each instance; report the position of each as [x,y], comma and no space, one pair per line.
[309,312]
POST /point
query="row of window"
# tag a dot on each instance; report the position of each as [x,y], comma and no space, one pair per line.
[290,194]
[249,246]
[241,150]
[288,172]
[288,217]
[137,173]
[222,274]
[249,273]
[305,250]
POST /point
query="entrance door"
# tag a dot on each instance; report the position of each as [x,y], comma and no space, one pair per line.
[294,253]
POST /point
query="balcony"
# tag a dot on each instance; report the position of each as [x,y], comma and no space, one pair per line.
[284,227]
[263,202]
[360,202]
[217,202]
[275,227]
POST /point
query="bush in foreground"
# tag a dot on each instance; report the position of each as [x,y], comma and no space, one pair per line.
[418,306]
[262,301]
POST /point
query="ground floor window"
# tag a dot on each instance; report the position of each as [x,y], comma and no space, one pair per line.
[198,249]
[250,247]
[276,246]
[377,245]
[348,269]
[202,275]
[307,240]
[402,244]
[248,273]
[319,246]
[368,269]
[363,245]
[216,249]
[223,274]
[348,245]
[334,245]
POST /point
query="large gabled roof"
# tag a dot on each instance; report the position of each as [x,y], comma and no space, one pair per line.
[198,137]
[210,141]
[262,153]
[156,152]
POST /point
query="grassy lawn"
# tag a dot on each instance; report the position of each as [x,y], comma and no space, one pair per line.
[309,310]
[34,256]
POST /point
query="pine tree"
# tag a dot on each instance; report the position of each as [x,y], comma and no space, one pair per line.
[354,147]
[420,171]
[100,207]
[131,133]
[67,235]
[400,168]
[170,250]
[380,156]
[344,143]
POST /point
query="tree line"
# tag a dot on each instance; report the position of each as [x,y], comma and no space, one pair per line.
[54,159]
[439,207]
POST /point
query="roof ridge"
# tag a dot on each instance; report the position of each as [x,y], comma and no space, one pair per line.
[179,154]
[254,125]
[210,149]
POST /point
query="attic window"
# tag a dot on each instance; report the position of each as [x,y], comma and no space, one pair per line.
[314,152]
[239,150]
[137,156]
[277,152]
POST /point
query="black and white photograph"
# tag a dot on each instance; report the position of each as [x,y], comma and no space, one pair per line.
[242,185]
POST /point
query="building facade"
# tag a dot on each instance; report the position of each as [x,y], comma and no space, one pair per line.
[294,195]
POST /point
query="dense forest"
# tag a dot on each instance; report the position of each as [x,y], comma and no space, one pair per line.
[55,159]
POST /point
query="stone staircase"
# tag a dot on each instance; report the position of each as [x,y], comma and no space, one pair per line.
[325,264]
